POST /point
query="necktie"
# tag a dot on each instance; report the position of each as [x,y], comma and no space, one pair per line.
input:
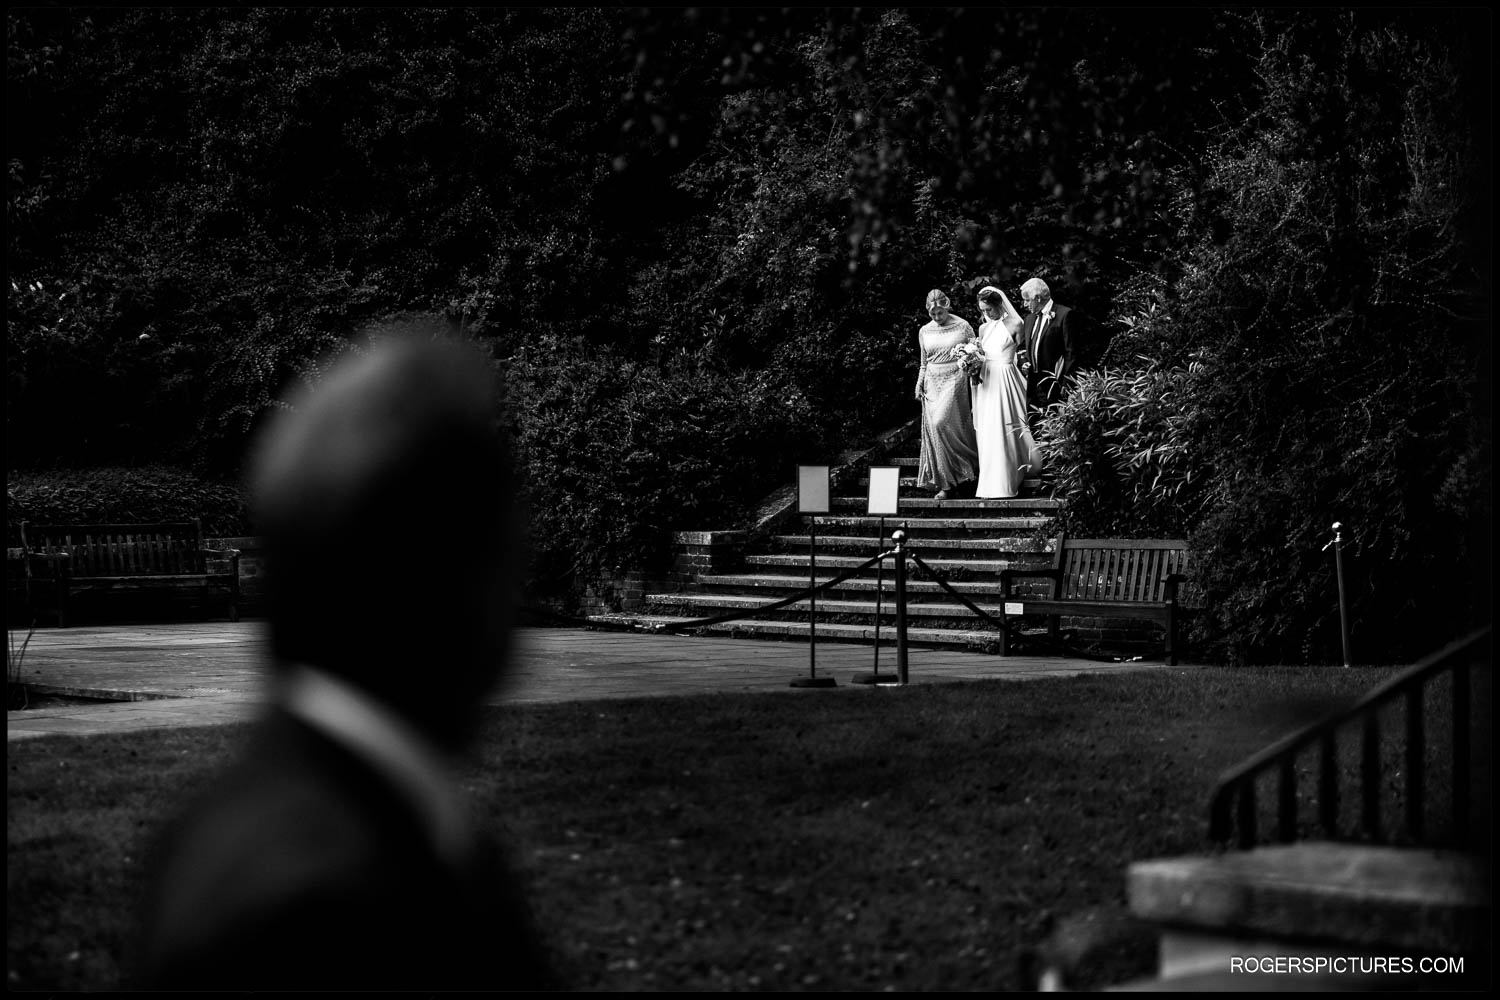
[1036,337]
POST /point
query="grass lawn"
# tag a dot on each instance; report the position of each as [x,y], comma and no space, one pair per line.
[916,839]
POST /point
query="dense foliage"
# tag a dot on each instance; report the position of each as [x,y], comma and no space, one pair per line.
[620,453]
[697,243]
[122,496]
[1319,358]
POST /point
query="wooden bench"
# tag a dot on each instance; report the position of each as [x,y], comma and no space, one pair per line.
[62,560]
[1105,578]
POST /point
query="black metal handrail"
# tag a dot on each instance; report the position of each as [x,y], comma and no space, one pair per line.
[1234,808]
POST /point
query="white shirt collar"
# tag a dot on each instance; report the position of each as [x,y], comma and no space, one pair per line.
[411,762]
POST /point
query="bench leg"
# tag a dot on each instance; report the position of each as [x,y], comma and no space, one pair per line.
[1004,633]
[1171,637]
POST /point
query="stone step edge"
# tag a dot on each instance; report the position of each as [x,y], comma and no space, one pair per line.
[850,633]
[830,605]
[853,583]
[932,523]
[1353,894]
[936,562]
[1002,544]
[905,481]
[928,503]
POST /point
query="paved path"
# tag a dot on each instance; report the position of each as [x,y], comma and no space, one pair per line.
[201,674]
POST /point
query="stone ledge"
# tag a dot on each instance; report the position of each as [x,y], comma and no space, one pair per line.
[708,537]
[1352,894]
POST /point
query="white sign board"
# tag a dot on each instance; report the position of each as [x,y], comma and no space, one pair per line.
[885,490]
[812,489]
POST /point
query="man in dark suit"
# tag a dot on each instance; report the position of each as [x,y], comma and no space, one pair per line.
[338,854]
[1050,335]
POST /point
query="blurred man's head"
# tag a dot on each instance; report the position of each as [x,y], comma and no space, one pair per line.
[386,504]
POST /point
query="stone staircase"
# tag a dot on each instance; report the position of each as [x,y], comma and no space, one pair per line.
[968,542]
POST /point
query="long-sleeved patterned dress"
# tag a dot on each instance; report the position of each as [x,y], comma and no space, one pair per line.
[949,454]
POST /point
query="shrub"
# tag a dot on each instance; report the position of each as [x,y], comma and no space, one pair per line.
[1316,359]
[122,496]
[1120,450]
[615,453]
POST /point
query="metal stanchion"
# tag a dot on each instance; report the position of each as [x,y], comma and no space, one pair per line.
[875,676]
[1338,561]
[898,538]
[812,680]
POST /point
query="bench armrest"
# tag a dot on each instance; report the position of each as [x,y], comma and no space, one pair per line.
[1172,581]
[231,555]
[1007,575]
[60,562]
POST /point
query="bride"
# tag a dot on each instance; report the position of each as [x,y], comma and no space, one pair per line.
[1007,451]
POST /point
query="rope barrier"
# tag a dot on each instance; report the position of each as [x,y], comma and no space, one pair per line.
[1046,645]
[660,628]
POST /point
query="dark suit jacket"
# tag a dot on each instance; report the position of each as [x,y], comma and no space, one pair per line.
[1053,358]
[304,868]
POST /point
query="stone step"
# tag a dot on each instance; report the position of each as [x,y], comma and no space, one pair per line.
[792,583]
[858,588]
[711,604]
[906,482]
[920,526]
[974,639]
[927,503]
[917,544]
[940,563]
[1348,897]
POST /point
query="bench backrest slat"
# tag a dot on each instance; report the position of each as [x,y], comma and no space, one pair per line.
[1152,563]
[1136,581]
[121,549]
[1116,569]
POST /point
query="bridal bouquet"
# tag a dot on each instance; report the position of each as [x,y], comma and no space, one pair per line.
[970,358]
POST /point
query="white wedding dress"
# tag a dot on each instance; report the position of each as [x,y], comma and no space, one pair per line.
[1007,451]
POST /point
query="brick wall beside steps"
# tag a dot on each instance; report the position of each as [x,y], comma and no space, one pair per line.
[694,553]
[699,552]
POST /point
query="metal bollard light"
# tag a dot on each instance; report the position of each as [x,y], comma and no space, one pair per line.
[1338,561]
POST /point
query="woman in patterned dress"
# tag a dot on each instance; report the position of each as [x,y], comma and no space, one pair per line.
[950,458]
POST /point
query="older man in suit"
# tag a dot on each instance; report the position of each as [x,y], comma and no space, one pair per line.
[1051,337]
[337,853]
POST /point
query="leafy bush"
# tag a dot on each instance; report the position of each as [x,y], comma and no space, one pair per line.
[1316,359]
[1120,452]
[616,453]
[123,496]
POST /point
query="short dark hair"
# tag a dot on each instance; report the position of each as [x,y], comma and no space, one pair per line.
[384,498]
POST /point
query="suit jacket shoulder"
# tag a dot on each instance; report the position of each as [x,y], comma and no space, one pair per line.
[303,864]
